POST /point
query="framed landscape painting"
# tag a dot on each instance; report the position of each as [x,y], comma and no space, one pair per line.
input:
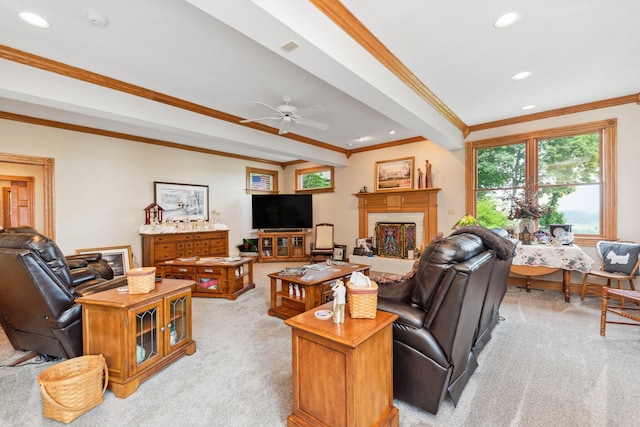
[396,174]
[182,202]
[119,258]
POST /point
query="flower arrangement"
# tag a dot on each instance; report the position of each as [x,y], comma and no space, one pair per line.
[526,206]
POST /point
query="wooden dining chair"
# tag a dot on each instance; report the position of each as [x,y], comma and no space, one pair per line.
[628,312]
[620,262]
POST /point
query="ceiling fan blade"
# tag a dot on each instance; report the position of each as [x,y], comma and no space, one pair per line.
[269,107]
[260,119]
[312,123]
[310,111]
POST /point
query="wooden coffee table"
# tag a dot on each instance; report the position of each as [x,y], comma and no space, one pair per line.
[316,285]
[214,277]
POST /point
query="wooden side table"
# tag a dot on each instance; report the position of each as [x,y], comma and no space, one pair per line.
[342,373]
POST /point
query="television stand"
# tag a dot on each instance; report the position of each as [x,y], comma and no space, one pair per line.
[281,245]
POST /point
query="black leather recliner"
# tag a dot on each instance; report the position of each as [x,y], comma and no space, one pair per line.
[38,310]
[446,313]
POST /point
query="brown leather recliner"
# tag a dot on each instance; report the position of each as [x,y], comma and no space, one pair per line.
[38,310]
[441,310]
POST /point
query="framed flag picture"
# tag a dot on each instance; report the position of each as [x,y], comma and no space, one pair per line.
[262,181]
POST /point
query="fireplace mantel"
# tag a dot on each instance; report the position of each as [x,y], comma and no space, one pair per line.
[423,200]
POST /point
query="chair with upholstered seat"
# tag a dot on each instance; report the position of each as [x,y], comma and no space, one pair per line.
[620,262]
[322,247]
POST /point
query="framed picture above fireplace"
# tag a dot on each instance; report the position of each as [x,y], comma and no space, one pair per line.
[396,174]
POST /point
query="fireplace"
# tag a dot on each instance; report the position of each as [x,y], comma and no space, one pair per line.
[407,206]
[395,240]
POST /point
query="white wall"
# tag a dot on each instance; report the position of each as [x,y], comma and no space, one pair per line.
[103,184]
[341,207]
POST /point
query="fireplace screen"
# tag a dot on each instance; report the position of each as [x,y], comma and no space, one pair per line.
[395,239]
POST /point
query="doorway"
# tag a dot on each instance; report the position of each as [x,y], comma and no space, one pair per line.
[18,200]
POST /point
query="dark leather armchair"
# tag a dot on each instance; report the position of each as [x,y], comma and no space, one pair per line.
[37,309]
[445,310]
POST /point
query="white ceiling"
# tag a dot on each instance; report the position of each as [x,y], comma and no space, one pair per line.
[224,55]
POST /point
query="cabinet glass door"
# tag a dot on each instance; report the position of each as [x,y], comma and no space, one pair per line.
[267,247]
[147,328]
[297,246]
[283,246]
[178,320]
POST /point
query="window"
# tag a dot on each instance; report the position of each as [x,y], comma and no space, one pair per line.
[261,181]
[314,180]
[570,171]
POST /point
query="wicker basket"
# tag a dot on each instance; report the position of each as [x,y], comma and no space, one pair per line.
[363,302]
[141,280]
[73,387]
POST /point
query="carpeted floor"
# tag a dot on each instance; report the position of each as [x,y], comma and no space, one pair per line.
[545,365]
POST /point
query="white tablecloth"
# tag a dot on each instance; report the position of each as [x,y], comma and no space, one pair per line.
[564,257]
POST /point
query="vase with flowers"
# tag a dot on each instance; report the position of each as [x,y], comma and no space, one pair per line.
[527,209]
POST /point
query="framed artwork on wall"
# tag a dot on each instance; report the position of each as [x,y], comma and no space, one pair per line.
[261,181]
[119,258]
[396,174]
[182,202]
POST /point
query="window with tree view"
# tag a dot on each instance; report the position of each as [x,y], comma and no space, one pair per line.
[558,176]
[318,179]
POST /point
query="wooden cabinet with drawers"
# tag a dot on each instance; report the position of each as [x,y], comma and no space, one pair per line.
[157,248]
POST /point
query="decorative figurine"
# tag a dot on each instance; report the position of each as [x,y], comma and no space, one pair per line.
[297,289]
[427,174]
[339,300]
[420,175]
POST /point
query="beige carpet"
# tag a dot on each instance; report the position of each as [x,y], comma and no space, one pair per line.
[546,365]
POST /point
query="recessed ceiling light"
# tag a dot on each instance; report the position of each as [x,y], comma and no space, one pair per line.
[529,107]
[392,132]
[33,19]
[507,20]
[522,75]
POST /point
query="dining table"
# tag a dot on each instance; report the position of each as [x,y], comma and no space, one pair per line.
[542,259]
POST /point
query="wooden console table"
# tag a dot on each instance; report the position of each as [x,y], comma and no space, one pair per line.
[316,284]
[138,334]
[214,277]
[342,373]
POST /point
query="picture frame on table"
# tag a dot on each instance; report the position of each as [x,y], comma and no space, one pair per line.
[511,231]
[182,202]
[394,175]
[338,252]
[119,258]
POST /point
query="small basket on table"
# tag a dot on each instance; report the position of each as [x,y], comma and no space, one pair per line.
[141,280]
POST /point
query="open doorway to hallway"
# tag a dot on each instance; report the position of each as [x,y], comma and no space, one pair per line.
[18,199]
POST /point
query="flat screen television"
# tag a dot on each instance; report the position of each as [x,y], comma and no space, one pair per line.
[281,211]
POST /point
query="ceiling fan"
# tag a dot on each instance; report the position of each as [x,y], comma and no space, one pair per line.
[288,114]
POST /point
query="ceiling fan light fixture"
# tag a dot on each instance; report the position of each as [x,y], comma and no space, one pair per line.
[507,20]
[34,19]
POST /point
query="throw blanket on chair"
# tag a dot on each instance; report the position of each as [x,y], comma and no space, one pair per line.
[504,248]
